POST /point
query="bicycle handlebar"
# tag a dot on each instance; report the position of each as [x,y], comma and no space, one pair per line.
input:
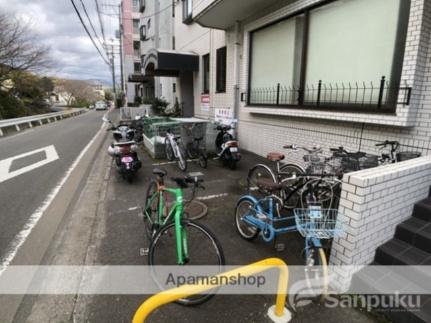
[394,144]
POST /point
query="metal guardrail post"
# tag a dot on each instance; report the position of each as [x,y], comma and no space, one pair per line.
[171,295]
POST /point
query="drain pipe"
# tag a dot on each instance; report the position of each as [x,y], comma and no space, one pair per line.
[236,73]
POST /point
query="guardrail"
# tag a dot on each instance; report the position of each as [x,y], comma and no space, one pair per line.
[277,312]
[16,123]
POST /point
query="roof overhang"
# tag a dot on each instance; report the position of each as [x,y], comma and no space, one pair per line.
[222,14]
[138,78]
[169,63]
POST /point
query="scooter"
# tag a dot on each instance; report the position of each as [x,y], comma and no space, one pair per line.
[124,150]
[226,147]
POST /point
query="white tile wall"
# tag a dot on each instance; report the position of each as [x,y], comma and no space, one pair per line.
[373,202]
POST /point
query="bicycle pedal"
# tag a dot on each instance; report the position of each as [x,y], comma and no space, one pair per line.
[279,246]
[144,251]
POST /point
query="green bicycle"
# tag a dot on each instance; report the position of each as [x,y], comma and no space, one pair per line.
[174,239]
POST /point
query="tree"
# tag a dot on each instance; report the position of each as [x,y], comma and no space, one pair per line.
[109,96]
[79,91]
[46,84]
[19,50]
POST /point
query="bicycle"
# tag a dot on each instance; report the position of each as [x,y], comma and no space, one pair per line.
[173,150]
[195,150]
[255,217]
[394,155]
[293,177]
[174,239]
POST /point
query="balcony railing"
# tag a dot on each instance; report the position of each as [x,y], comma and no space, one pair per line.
[350,96]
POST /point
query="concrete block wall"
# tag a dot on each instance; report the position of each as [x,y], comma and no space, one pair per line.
[373,202]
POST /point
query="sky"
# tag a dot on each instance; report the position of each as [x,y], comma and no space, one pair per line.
[56,24]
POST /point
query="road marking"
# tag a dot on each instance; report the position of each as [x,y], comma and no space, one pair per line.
[133,208]
[5,174]
[210,197]
[22,236]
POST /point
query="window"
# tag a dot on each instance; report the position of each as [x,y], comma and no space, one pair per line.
[221,70]
[187,11]
[136,5]
[173,42]
[136,26]
[137,67]
[149,24]
[327,56]
[136,48]
[142,6]
[206,73]
[143,33]
[174,87]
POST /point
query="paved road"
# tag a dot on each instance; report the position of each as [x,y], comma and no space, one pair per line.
[22,195]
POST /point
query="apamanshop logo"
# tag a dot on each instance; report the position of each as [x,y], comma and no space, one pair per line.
[303,292]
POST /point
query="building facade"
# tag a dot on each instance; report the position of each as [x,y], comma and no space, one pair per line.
[146,25]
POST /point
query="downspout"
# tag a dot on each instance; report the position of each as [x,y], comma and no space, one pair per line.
[236,73]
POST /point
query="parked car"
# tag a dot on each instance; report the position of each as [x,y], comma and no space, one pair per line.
[100,105]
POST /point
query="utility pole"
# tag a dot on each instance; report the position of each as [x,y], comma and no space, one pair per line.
[112,60]
[120,28]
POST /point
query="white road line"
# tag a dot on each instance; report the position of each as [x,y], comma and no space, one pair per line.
[22,236]
[210,197]
[133,208]
[5,174]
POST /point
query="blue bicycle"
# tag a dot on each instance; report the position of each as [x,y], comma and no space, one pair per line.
[255,217]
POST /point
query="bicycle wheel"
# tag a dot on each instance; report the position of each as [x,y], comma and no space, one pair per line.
[292,175]
[181,161]
[317,191]
[151,210]
[316,272]
[259,172]
[168,150]
[203,250]
[245,230]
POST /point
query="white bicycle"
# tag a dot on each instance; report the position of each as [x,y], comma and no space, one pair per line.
[174,150]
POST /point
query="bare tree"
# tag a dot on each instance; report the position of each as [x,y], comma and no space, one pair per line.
[19,50]
[77,90]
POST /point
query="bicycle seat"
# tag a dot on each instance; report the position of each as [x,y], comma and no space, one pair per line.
[159,172]
[275,156]
[268,185]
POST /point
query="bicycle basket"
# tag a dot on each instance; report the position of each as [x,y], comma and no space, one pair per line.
[318,223]
[406,155]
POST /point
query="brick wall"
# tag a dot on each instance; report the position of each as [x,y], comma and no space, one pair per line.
[373,202]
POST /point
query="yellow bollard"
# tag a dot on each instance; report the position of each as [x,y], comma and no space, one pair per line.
[174,294]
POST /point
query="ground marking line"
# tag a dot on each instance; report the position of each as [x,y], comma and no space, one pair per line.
[5,174]
[22,236]
[133,208]
[210,197]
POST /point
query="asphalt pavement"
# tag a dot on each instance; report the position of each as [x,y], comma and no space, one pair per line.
[27,186]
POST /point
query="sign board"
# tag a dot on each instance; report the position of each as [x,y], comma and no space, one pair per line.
[223,115]
[205,102]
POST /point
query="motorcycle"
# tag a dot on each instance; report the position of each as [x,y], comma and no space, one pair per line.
[226,147]
[124,150]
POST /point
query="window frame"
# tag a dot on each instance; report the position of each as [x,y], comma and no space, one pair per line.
[221,53]
[206,73]
[143,33]
[398,57]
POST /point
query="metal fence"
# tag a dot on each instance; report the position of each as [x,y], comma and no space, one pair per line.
[350,95]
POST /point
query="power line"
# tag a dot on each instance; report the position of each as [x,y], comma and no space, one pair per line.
[140,17]
[91,23]
[88,33]
[100,21]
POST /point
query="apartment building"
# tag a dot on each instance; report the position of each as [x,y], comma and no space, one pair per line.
[147,25]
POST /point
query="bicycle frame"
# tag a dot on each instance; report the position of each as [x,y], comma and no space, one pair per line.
[267,225]
[175,212]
